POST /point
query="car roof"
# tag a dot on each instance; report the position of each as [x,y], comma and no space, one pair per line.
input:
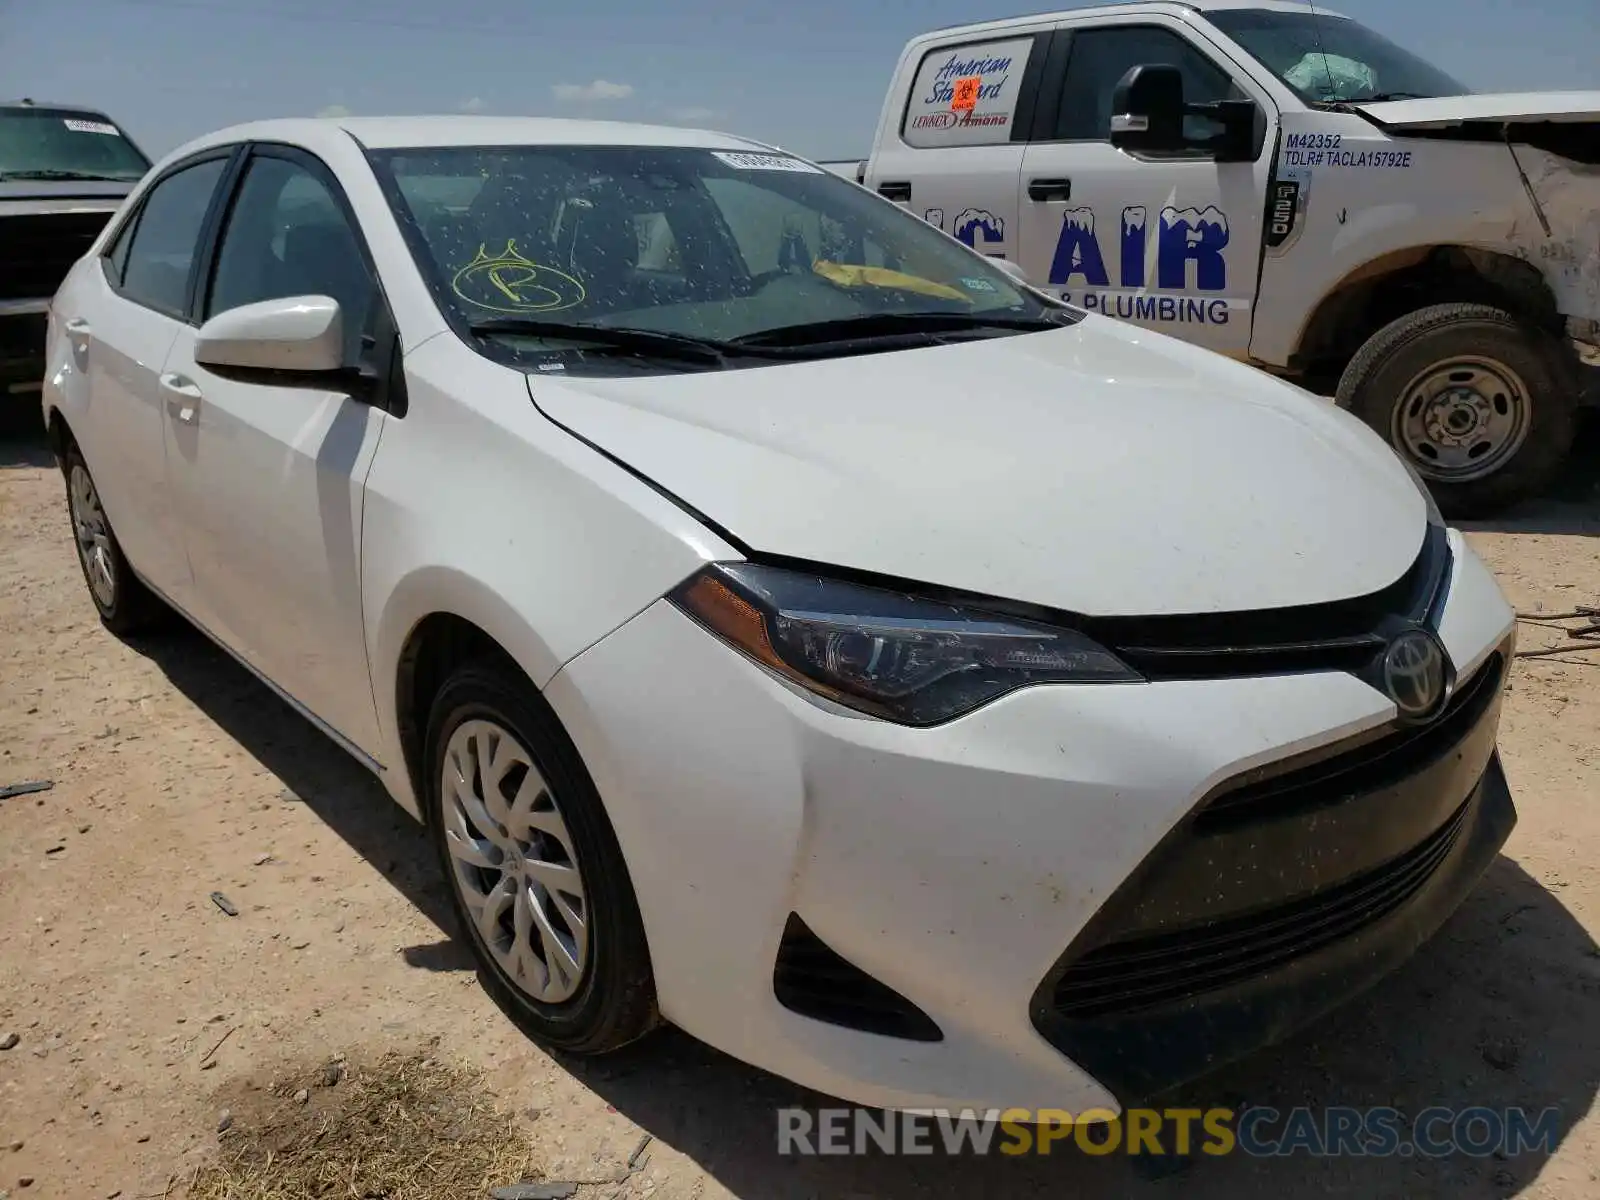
[396,133]
[1122,7]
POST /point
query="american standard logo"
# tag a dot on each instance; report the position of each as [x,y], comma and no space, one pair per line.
[951,120]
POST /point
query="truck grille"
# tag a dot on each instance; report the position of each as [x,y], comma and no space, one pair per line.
[37,251]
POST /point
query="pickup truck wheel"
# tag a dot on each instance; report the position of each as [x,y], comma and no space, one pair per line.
[536,876]
[124,603]
[1480,403]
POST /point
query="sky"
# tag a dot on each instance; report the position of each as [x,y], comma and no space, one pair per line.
[808,75]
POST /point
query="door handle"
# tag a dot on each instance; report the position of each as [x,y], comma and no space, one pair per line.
[900,192]
[183,397]
[1049,189]
[78,330]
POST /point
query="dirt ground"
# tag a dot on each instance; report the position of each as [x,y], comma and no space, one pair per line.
[141,1009]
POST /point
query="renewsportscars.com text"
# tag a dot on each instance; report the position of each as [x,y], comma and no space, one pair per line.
[1257,1131]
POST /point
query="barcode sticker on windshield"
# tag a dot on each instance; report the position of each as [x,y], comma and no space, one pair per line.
[746,161]
[78,126]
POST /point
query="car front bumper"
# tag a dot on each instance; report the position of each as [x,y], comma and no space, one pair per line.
[1092,892]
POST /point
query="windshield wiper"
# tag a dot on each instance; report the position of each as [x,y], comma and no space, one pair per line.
[787,341]
[55,173]
[1381,97]
[610,337]
[891,325]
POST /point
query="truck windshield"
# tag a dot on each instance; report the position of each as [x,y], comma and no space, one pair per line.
[51,143]
[1328,59]
[519,242]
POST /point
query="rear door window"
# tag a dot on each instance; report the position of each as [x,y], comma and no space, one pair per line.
[938,113]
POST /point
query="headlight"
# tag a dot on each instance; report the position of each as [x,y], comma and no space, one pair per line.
[905,658]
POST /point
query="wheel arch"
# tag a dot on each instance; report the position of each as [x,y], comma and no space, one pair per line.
[58,432]
[437,619]
[1394,284]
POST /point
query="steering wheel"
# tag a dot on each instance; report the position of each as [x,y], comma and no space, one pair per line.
[761,280]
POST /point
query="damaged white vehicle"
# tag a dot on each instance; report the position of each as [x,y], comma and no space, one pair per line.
[1287,187]
[789,627]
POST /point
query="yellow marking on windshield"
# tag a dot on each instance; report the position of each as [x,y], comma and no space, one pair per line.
[509,283]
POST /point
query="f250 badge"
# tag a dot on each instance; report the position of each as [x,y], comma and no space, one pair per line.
[1287,197]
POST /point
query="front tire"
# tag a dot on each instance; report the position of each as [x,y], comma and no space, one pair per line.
[124,603]
[536,876]
[1481,404]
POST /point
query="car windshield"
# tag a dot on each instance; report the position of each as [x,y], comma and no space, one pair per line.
[695,248]
[52,143]
[1328,59]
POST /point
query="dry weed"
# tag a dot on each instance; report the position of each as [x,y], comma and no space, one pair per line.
[405,1128]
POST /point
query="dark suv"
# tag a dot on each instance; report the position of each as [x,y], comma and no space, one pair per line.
[63,171]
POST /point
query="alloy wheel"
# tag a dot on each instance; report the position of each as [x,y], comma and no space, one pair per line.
[513,861]
[93,536]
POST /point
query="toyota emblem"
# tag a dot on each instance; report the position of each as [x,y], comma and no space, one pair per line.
[1416,674]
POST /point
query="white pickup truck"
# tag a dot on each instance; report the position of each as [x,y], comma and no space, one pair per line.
[1287,187]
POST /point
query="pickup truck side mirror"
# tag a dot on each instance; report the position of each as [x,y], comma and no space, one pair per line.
[1148,108]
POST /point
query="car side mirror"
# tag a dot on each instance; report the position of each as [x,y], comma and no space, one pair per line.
[1148,108]
[299,334]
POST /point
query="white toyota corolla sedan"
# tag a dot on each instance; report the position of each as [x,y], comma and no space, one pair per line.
[789,626]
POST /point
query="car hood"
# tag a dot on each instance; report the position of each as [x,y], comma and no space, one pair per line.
[1441,112]
[1100,469]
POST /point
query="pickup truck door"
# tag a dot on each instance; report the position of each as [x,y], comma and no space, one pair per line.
[958,168]
[1172,242]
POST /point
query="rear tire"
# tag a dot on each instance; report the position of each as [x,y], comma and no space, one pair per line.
[536,876]
[1483,405]
[125,605]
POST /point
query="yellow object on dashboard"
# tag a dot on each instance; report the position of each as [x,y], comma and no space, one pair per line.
[861,275]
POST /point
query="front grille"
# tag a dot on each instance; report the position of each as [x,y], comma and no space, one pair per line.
[1332,775]
[1291,860]
[1343,635]
[1138,974]
[814,981]
[37,251]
